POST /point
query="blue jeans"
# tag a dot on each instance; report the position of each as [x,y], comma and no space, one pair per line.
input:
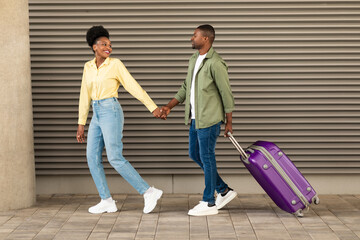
[202,144]
[105,129]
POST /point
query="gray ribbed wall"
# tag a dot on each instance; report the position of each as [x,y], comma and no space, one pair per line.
[294,69]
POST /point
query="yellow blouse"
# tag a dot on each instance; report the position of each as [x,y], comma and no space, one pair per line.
[103,82]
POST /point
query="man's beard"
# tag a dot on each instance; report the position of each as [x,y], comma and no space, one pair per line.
[194,46]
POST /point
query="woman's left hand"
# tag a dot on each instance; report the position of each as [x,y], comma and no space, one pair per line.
[157,113]
[80,136]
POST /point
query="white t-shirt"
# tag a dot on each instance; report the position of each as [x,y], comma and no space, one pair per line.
[192,90]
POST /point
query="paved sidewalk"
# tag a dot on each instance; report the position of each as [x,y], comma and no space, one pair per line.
[248,217]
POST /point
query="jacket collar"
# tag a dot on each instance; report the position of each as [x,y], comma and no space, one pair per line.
[209,54]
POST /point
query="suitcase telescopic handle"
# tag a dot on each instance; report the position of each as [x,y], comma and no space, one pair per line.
[244,156]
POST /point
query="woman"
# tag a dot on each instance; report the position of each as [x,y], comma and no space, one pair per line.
[101,79]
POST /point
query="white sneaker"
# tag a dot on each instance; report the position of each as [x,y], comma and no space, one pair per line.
[202,209]
[221,201]
[150,198]
[104,206]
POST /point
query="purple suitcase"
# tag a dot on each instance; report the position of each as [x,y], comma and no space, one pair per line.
[278,176]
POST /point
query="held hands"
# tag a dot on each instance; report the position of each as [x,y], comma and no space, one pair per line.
[161,113]
[165,111]
[157,113]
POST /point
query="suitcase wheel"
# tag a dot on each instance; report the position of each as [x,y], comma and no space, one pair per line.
[299,213]
[316,200]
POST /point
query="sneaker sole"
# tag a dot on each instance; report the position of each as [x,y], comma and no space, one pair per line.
[111,211]
[106,211]
[203,214]
[229,199]
[157,198]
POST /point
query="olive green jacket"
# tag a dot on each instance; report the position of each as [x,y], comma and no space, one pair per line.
[213,97]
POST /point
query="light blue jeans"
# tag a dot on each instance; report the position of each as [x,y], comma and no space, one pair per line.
[106,129]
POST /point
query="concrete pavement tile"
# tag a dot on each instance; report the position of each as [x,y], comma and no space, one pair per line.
[272,235]
[76,224]
[221,227]
[129,227]
[174,218]
[299,235]
[294,228]
[247,237]
[346,235]
[72,235]
[26,212]
[4,219]
[106,222]
[98,236]
[6,230]
[172,237]
[56,223]
[3,235]
[47,212]
[198,227]
[121,235]
[353,200]
[254,202]
[172,231]
[339,227]
[34,223]
[13,223]
[323,236]
[335,202]
[348,217]
[9,213]
[44,236]
[353,226]
[22,234]
[147,228]
[328,217]
[199,236]
[151,216]
[223,238]
[69,208]
[103,227]
[314,229]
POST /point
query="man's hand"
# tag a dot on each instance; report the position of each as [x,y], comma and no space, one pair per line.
[165,111]
[157,113]
[80,136]
[228,126]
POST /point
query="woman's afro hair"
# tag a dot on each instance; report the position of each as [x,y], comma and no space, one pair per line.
[94,33]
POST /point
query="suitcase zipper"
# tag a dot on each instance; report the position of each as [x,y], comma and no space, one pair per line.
[282,173]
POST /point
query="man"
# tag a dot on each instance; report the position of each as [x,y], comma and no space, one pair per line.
[209,102]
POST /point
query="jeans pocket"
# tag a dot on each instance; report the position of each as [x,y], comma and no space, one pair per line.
[218,128]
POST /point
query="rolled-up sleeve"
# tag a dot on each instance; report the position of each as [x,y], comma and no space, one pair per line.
[181,94]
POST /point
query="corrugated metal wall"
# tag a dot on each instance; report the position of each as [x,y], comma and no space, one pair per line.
[294,67]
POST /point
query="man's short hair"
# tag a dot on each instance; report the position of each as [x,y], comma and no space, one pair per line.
[207,31]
